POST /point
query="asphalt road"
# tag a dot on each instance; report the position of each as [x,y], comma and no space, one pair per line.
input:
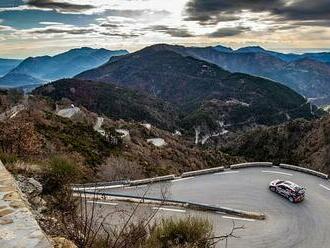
[303,225]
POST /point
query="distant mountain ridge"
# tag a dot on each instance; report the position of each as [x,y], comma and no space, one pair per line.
[306,74]
[6,65]
[210,98]
[38,70]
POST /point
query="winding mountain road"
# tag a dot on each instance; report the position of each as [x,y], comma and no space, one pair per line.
[287,225]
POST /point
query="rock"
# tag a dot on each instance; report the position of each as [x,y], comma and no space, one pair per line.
[29,186]
[6,221]
[17,204]
[38,201]
[60,242]
[7,234]
[12,196]
[157,142]
[6,211]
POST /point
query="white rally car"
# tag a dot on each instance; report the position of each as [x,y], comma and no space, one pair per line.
[293,192]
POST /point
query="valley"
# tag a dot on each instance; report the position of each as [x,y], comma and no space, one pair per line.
[160,112]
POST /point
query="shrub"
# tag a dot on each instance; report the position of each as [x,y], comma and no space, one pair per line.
[8,158]
[189,232]
[61,172]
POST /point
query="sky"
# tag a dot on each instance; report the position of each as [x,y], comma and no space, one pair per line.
[39,27]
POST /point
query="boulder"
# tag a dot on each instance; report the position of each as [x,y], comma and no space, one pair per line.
[29,186]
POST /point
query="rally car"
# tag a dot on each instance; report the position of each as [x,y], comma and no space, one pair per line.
[291,191]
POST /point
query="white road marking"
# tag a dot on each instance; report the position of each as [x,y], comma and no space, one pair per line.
[100,187]
[135,187]
[182,179]
[226,172]
[324,187]
[170,209]
[103,203]
[236,218]
[278,172]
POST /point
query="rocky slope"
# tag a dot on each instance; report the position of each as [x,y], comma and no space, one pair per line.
[38,133]
[299,142]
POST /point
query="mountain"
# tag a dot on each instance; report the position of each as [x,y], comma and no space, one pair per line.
[307,76]
[112,101]
[299,142]
[224,49]
[46,68]
[209,97]
[322,57]
[288,57]
[6,65]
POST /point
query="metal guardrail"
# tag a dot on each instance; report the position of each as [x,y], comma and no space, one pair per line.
[186,204]
[251,165]
[304,170]
[202,172]
[123,183]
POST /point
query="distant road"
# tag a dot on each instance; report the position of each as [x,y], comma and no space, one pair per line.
[303,225]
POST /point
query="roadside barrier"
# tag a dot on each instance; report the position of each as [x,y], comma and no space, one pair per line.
[202,172]
[152,180]
[189,205]
[305,170]
[250,165]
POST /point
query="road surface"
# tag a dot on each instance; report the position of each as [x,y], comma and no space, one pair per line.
[287,225]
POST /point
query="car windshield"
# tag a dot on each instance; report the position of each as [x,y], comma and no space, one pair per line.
[298,189]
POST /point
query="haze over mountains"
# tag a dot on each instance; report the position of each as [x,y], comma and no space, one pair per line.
[308,73]
[6,65]
[39,70]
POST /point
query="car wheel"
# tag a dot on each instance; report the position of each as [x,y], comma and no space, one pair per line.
[290,199]
[272,189]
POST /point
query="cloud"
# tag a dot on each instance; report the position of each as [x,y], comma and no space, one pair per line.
[213,11]
[59,5]
[226,32]
[119,34]
[174,32]
[64,30]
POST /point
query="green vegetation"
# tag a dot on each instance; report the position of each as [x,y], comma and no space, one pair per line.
[8,158]
[189,232]
[60,173]
[77,137]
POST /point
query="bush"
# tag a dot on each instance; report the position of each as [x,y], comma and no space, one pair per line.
[8,158]
[190,232]
[61,172]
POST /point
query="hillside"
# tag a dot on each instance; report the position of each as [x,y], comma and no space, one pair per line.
[38,134]
[37,70]
[112,101]
[209,96]
[299,142]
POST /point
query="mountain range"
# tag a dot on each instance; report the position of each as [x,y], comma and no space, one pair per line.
[206,98]
[38,70]
[308,74]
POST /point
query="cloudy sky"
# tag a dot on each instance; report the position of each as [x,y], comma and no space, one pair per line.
[37,27]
